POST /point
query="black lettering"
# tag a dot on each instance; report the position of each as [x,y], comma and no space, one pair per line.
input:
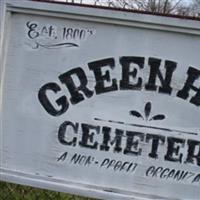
[173,150]
[88,137]
[180,175]
[157,171]
[171,173]
[63,132]
[32,33]
[165,87]
[75,158]
[150,171]
[101,78]
[193,75]
[196,179]
[105,162]
[193,152]
[133,144]
[127,72]
[106,131]
[118,165]
[76,95]
[48,106]
[156,139]
[44,31]
[164,173]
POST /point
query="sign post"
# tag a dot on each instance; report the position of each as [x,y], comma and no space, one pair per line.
[100,103]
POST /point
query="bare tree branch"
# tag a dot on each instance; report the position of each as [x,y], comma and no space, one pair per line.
[155,6]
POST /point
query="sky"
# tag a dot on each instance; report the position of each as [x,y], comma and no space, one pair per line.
[90,1]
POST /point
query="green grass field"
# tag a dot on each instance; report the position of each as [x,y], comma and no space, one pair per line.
[10,191]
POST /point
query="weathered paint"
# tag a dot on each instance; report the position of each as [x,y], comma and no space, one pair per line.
[98,103]
[1,19]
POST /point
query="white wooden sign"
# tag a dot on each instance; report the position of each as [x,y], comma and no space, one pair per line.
[100,103]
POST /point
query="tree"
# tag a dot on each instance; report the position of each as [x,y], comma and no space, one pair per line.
[196,8]
[155,6]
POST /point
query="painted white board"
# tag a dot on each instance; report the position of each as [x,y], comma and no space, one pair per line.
[100,103]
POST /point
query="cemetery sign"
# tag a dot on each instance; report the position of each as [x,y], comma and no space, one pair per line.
[100,103]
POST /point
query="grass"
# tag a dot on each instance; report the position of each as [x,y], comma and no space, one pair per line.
[9,191]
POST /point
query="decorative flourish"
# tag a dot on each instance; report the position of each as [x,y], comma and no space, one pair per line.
[147,112]
[55,46]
